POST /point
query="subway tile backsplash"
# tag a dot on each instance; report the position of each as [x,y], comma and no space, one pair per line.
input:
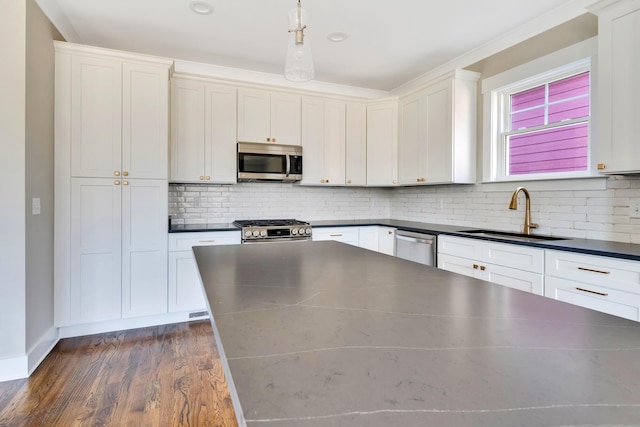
[600,215]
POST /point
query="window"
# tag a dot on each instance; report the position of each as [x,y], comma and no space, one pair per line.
[539,126]
[548,128]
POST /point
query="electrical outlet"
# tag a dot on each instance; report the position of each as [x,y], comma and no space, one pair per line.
[634,208]
[35,206]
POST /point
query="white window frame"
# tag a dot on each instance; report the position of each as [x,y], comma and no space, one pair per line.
[497,90]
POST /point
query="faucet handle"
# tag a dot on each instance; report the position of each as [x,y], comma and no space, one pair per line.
[532,225]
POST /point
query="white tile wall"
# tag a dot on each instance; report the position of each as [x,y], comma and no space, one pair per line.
[600,215]
[202,204]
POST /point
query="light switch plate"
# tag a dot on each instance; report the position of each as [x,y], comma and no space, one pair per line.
[634,208]
[35,206]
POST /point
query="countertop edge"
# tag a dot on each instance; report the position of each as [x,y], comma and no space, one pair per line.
[619,250]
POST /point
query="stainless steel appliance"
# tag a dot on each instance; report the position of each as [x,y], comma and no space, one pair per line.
[269,162]
[417,247]
[273,230]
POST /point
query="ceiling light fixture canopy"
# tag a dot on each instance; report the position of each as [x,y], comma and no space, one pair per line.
[299,65]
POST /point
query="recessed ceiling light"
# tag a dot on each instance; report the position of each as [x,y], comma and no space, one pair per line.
[337,37]
[201,7]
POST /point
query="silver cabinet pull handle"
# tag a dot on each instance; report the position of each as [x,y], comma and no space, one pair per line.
[593,292]
[593,271]
[335,235]
[206,241]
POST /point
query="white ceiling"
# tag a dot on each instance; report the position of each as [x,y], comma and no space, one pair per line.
[389,42]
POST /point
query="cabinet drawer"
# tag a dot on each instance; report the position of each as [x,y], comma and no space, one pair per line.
[606,300]
[513,256]
[608,272]
[459,247]
[348,235]
[185,241]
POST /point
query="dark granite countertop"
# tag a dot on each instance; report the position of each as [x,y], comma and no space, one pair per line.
[591,247]
[327,334]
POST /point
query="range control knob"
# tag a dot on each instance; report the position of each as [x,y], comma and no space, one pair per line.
[294,231]
[247,233]
[308,231]
[263,233]
[256,233]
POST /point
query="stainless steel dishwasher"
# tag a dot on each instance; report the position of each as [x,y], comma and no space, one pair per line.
[416,247]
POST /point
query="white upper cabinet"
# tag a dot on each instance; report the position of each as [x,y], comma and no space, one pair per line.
[356,144]
[618,86]
[323,141]
[96,116]
[268,117]
[382,144]
[119,117]
[412,140]
[203,132]
[437,142]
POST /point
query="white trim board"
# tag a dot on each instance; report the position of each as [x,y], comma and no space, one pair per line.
[22,367]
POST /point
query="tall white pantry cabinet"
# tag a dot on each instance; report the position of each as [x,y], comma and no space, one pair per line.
[111,179]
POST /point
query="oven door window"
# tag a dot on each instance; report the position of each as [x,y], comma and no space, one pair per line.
[262,163]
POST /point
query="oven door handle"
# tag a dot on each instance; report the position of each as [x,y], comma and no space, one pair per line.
[288,165]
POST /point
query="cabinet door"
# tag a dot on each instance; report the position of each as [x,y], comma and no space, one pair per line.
[439,137]
[387,240]
[412,140]
[618,88]
[606,300]
[185,290]
[187,131]
[285,119]
[334,142]
[313,141]
[356,144]
[145,121]
[513,278]
[96,117]
[254,116]
[349,235]
[220,134]
[95,291]
[459,265]
[382,144]
[368,237]
[144,247]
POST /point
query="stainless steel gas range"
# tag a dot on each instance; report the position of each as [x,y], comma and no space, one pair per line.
[273,230]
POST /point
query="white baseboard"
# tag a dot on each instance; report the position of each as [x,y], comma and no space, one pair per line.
[23,366]
[122,324]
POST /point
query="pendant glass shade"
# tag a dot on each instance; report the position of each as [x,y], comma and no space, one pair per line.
[299,65]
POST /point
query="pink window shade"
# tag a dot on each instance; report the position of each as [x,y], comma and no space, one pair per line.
[560,149]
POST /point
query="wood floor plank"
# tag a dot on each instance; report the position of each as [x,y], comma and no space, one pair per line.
[167,375]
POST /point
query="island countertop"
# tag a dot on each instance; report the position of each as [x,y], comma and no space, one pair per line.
[327,334]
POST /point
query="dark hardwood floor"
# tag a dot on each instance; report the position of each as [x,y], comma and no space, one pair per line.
[160,376]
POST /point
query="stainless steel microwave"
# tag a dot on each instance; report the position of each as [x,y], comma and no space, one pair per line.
[269,162]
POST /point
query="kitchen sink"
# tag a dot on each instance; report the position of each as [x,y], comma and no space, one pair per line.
[512,236]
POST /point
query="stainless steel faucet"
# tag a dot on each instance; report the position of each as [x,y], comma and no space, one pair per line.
[528,225]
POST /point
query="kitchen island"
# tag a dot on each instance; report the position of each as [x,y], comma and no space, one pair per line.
[327,334]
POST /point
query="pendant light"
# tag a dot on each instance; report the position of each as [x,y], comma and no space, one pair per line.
[299,65]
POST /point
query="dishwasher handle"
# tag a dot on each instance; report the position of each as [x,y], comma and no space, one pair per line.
[415,240]
[410,236]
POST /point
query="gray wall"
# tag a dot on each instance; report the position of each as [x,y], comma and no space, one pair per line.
[39,141]
[26,171]
[12,176]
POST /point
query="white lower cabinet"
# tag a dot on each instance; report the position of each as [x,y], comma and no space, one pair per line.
[373,237]
[349,235]
[117,249]
[600,283]
[515,266]
[185,290]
